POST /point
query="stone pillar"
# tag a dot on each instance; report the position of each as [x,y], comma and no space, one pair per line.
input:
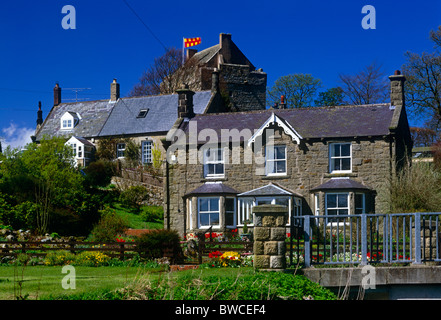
[269,236]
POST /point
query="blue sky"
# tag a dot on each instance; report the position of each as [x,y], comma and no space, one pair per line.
[322,38]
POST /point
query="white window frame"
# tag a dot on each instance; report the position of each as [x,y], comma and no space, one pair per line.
[332,157]
[348,208]
[246,205]
[120,152]
[215,162]
[317,204]
[208,212]
[146,151]
[270,157]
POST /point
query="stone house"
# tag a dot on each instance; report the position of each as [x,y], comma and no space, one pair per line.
[242,86]
[320,160]
[222,79]
[145,119]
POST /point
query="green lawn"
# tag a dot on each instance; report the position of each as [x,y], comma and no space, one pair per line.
[134,220]
[40,281]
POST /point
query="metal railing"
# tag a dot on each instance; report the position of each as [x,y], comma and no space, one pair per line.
[365,239]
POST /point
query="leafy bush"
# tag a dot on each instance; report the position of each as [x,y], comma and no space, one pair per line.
[134,196]
[99,173]
[85,258]
[59,258]
[415,189]
[110,225]
[258,286]
[91,259]
[154,244]
[152,213]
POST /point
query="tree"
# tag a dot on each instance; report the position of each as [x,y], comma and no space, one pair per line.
[299,90]
[166,74]
[330,97]
[423,87]
[370,85]
[43,178]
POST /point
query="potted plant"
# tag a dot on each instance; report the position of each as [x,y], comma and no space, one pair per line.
[245,235]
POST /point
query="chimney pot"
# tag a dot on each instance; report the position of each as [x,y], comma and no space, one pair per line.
[282,102]
[397,72]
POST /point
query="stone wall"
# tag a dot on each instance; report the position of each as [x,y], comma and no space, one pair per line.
[269,246]
[307,167]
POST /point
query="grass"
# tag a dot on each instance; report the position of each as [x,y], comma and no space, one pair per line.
[41,282]
[36,282]
[134,219]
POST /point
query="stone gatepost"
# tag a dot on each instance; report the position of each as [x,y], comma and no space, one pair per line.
[269,236]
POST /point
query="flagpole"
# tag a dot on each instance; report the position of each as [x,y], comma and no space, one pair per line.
[183,48]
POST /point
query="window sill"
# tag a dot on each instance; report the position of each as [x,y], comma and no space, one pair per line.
[213,179]
[275,177]
[341,175]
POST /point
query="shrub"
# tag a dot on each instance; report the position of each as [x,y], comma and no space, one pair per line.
[99,173]
[415,189]
[59,258]
[152,213]
[110,225]
[258,286]
[154,244]
[91,259]
[134,196]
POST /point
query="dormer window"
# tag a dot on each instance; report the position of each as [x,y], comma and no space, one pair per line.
[69,120]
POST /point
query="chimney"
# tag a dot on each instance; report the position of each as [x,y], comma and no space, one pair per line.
[225,46]
[185,102]
[397,89]
[57,95]
[190,54]
[39,115]
[215,81]
[282,104]
[114,91]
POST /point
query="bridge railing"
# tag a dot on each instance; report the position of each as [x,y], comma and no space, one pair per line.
[365,239]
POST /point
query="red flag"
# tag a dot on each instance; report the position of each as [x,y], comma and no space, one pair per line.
[190,42]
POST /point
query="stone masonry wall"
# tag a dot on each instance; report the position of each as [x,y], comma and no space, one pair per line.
[307,167]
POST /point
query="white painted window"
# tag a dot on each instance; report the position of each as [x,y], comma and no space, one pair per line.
[336,204]
[340,157]
[214,163]
[208,212]
[67,124]
[120,149]
[275,160]
[147,151]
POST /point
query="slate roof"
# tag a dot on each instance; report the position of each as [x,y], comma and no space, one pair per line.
[204,56]
[162,114]
[341,183]
[93,116]
[268,190]
[212,188]
[316,122]
[104,118]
